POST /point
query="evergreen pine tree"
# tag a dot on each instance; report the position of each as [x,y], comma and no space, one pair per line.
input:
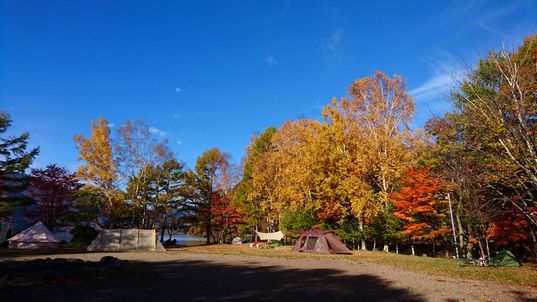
[14,160]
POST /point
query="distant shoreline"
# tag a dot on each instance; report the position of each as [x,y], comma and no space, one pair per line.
[185,239]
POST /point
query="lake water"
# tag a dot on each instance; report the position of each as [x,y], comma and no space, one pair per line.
[183,239]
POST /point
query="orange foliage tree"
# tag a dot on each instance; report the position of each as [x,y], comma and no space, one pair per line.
[418,205]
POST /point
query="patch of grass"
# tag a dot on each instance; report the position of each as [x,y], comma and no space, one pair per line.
[523,276]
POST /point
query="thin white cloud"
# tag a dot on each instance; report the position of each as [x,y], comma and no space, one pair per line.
[445,73]
[335,39]
[487,19]
[177,89]
[270,60]
[157,131]
[175,115]
[179,142]
[111,125]
[433,87]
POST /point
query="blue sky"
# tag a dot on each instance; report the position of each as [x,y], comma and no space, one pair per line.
[212,73]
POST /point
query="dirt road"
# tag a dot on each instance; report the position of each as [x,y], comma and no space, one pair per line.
[208,277]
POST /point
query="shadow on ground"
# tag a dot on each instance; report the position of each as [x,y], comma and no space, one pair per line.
[523,297]
[7,253]
[206,281]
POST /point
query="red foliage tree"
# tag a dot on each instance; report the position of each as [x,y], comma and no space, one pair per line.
[510,227]
[225,215]
[418,205]
[53,190]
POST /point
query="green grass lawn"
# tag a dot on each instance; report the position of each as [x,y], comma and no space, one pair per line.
[523,276]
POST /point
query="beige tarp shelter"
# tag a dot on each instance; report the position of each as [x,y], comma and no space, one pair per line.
[322,242]
[34,237]
[271,236]
[120,240]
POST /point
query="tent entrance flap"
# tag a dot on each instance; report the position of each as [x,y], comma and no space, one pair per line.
[310,243]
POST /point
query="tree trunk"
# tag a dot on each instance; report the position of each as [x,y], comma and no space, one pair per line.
[163,228]
[461,231]
[397,248]
[481,249]
[386,248]
[485,237]
[534,239]
[487,245]
[374,244]
[469,244]
[361,225]
[413,252]
[208,231]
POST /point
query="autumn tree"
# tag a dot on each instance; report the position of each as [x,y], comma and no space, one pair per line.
[344,165]
[258,146]
[168,193]
[285,176]
[378,114]
[140,152]
[509,229]
[14,160]
[213,175]
[99,173]
[345,189]
[53,189]
[419,206]
[497,103]
[225,216]
[457,157]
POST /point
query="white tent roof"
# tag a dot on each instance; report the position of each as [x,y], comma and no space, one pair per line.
[270,236]
[35,233]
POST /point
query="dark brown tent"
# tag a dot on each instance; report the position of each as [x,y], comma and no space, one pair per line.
[321,242]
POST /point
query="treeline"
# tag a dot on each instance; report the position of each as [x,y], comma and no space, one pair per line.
[134,180]
[130,179]
[363,171]
[468,179]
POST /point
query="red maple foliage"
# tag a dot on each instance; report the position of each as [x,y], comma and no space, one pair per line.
[225,215]
[510,227]
[53,190]
[417,205]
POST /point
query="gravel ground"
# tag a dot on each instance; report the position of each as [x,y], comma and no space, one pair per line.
[180,276]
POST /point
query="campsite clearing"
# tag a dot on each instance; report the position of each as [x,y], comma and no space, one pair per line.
[224,272]
[523,276]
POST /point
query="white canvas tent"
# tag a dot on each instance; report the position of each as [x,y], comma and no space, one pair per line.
[271,236]
[121,240]
[36,236]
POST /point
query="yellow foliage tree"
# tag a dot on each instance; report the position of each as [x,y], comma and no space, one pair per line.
[376,120]
[100,171]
